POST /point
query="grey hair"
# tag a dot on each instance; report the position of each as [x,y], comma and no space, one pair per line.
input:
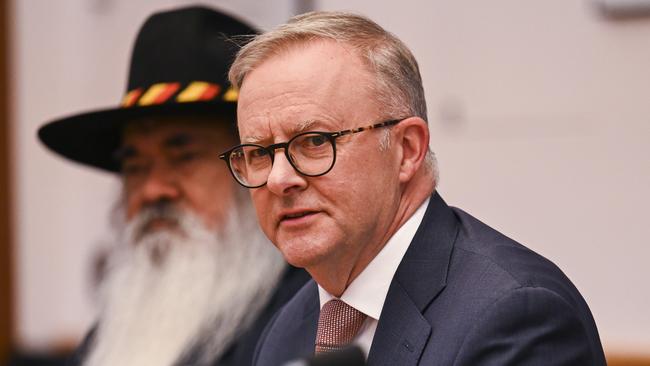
[398,83]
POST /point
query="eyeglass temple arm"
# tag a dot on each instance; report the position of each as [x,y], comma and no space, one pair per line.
[283,145]
[271,149]
[366,128]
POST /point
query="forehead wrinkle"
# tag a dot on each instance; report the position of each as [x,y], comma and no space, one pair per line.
[296,129]
[278,105]
[257,139]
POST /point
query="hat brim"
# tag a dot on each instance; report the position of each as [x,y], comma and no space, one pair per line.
[92,138]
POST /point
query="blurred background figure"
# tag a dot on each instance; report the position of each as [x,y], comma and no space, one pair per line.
[554,94]
[190,278]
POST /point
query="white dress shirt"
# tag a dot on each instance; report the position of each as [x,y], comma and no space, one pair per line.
[367,293]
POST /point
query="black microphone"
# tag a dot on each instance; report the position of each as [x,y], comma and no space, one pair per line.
[349,356]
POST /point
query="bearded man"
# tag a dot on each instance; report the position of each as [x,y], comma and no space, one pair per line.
[191,279]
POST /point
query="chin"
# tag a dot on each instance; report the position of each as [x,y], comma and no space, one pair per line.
[303,253]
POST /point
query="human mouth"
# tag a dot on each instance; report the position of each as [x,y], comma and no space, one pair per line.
[297,217]
[157,225]
[160,223]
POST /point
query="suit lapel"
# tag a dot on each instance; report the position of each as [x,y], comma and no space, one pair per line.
[402,331]
[292,332]
[307,343]
[302,332]
[299,336]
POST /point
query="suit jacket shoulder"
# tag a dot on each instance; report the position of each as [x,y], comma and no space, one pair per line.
[463,294]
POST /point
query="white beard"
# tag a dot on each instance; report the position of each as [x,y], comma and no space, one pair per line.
[171,290]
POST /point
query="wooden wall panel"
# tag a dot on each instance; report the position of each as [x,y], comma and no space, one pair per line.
[5,216]
[618,360]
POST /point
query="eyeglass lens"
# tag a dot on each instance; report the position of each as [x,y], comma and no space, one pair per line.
[311,154]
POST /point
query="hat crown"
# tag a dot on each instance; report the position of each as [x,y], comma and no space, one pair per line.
[185,45]
[179,67]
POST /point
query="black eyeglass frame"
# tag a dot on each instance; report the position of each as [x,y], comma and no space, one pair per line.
[331,136]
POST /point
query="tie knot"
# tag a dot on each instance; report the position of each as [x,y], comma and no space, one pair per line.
[338,323]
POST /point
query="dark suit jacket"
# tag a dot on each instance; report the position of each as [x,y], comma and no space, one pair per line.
[240,353]
[463,294]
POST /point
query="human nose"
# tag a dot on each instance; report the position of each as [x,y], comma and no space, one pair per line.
[283,178]
[159,184]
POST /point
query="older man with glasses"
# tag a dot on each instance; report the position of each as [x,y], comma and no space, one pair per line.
[396,271]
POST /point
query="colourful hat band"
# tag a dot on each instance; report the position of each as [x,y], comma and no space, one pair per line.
[178,67]
[175,92]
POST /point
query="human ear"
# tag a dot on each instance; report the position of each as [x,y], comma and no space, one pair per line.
[413,139]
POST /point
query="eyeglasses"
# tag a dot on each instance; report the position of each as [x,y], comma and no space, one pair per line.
[311,153]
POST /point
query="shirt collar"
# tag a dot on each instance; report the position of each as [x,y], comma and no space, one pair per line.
[368,291]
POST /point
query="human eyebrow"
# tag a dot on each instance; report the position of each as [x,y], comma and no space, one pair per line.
[303,126]
[298,128]
[255,139]
[179,140]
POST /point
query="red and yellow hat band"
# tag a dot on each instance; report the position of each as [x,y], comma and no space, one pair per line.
[196,91]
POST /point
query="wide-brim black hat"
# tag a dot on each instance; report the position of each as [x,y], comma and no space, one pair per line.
[179,66]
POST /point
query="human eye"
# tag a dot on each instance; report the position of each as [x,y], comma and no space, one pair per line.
[256,156]
[312,141]
[134,168]
[186,156]
[258,152]
[317,140]
[311,146]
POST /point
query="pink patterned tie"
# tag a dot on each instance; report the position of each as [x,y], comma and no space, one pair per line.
[337,325]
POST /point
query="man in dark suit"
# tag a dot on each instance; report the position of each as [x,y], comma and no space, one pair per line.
[190,279]
[335,150]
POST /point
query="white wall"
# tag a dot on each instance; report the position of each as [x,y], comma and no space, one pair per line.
[540,117]
[72,56]
[539,114]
